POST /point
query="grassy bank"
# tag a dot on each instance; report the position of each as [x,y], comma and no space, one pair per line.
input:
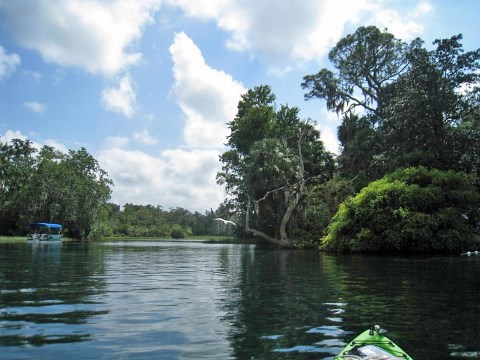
[206,239]
[23,239]
[12,239]
[210,239]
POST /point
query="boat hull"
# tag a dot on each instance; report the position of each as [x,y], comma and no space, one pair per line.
[368,341]
[44,237]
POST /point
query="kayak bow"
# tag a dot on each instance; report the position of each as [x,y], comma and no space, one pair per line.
[372,345]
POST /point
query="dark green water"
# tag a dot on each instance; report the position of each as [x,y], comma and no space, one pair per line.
[176,300]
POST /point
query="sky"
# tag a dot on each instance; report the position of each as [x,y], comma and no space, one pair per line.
[148,86]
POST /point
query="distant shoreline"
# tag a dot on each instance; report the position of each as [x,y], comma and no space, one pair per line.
[204,239]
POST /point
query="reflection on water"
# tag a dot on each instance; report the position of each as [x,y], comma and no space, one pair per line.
[180,300]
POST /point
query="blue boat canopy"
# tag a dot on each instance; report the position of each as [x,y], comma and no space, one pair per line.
[48,225]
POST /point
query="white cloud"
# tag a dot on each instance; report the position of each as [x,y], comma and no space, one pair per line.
[93,35]
[207,97]
[116,141]
[406,24]
[8,63]
[144,137]
[329,137]
[120,99]
[282,32]
[328,130]
[10,135]
[35,106]
[176,178]
[55,144]
[35,75]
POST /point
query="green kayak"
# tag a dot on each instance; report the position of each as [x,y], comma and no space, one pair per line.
[372,345]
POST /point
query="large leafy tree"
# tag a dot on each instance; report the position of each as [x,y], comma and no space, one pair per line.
[365,62]
[360,144]
[48,185]
[410,210]
[16,164]
[48,195]
[274,158]
[85,187]
[411,101]
[424,106]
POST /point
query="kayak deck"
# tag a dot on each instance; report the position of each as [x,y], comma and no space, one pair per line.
[370,344]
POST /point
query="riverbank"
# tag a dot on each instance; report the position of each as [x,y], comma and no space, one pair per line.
[21,239]
[12,239]
[207,239]
[204,239]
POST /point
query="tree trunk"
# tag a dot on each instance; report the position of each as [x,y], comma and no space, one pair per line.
[293,200]
[282,242]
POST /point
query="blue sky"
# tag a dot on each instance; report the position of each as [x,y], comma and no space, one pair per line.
[147,86]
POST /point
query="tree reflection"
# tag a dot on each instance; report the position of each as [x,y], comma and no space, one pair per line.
[302,304]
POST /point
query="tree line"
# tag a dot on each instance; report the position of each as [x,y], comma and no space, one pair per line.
[46,185]
[410,126]
[153,221]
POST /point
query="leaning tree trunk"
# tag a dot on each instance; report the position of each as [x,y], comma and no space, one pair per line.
[295,197]
[282,242]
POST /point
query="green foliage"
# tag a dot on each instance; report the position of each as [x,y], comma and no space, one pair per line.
[16,163]
[420,108]
[410,210]
[153,222]
[366,62]
[360,143]
[178,232]
[274,156]
[413,100]
[254,119]
[50,186]
[85,188]
[322,203]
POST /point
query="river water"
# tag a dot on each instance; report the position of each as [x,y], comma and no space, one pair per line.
[190,300]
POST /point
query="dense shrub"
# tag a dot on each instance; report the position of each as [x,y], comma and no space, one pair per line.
[410,210]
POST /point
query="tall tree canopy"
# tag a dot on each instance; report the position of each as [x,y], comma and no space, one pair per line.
[48,185]
[274,158]
[412,102]
[366,62]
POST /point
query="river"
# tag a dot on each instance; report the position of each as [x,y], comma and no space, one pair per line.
[191,300]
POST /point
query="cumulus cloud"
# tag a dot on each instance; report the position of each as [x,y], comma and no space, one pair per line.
[144,137]
[207,97]
[11,134]
[176,178]
[35,106]
[284,32]
[35,75]
[406,26]
[116,141]
[329,138]
[8,63]
[93,35]
[55,144]
[120,99]
[96,36]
